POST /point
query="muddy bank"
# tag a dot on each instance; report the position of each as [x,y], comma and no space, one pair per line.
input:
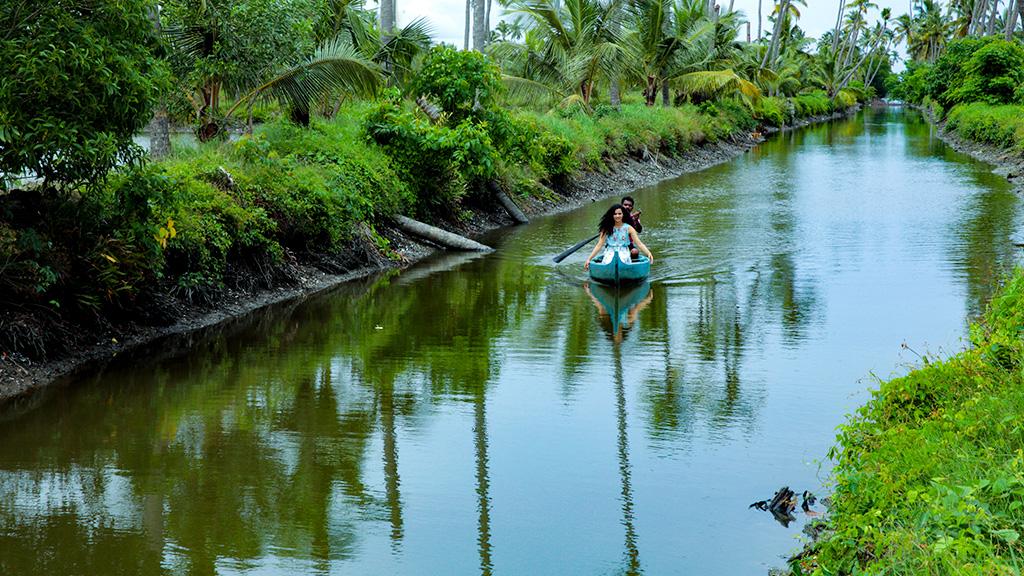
[91,347]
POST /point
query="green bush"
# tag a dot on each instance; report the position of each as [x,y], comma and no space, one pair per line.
[77,81]
[993,74]
[460,82]
[815,103]
[772,111]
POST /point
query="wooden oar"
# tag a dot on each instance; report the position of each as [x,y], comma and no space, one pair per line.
[576,247]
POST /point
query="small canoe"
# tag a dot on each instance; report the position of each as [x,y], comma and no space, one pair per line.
[616,272]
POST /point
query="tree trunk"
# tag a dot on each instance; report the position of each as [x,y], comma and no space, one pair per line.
[769,56]
[977,14]
[838,28]
[160,138]
[1020,14]
[666,99]
[507,203]
[992,19]
[469,12]
[651,91]
[759,20]
[480,27]
[487,18]
[614,94]
[438,236]
[387,18]
[853,42]
[1011,20]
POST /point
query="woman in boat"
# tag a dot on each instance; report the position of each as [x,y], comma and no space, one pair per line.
[615,238]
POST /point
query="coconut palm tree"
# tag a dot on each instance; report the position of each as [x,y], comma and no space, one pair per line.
[932,31]
[568,48]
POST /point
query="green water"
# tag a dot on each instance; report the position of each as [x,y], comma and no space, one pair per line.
[492,414]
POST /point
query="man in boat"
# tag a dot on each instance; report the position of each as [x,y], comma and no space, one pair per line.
[633,219]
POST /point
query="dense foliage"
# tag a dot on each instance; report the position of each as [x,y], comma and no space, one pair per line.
[218,215]
[78,78]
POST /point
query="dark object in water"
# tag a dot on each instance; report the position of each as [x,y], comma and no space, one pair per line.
[809,501]
[783,505]
[784,501]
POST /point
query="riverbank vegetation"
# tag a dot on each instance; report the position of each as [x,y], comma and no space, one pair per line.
[974,83]
[929,474]
[318,120]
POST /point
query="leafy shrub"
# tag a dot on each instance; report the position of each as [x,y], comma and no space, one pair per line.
[458,81]
[815,103]
[772,111]
[76,82]
[993,74]
[929,474]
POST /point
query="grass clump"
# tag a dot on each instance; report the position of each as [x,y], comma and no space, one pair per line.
[929,475]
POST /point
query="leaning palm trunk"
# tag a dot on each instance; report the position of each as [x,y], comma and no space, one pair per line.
[849,76]
[992,19]
[1011,20]
[838,28]
[977,15]
[773,47]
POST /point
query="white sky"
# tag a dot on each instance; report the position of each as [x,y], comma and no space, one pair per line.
[448,16]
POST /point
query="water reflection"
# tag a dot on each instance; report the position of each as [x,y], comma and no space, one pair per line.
[618,308]
[470,414]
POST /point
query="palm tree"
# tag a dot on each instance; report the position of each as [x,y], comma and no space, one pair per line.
[652,44]
[567,49]
[932,31]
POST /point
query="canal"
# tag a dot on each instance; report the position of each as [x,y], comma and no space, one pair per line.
[495,414]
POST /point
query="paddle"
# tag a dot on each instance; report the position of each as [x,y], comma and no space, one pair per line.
[576,247]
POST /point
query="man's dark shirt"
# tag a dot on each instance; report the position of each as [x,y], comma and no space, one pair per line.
[634,221]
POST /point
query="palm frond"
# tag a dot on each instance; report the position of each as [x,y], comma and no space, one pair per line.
[335,66]
[523,89]
[715,82]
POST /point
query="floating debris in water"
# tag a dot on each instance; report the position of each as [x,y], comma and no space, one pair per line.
[783,504]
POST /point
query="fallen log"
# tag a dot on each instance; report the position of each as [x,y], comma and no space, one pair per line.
[509,205]
[438,236]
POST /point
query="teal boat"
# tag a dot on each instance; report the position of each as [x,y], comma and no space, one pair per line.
[617,272]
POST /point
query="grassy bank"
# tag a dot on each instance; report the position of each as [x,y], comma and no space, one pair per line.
[997,125]
[929,475]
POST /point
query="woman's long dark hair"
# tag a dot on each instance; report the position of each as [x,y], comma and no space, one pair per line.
[608,220]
